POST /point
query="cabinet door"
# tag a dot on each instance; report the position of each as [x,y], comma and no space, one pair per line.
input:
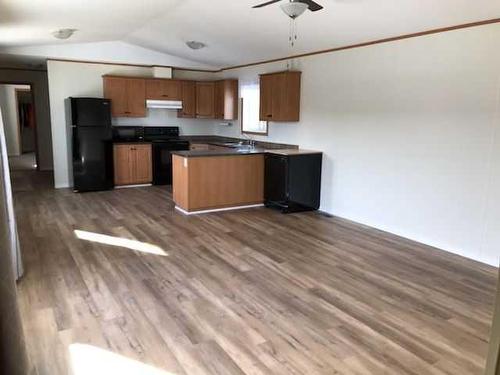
[116,90]
[230,99]
[219,100]
[154,89]
[290,105]
[136,98]
[280,96]
[266,97]
[123,164]
[172,89]
[278,101]
[142,164]
[205,95]
[188,100]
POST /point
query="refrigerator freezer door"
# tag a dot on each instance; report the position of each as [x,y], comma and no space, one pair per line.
[91,112]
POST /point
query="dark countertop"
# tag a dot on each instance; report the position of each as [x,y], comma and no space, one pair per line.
[234,151]
[131,142]
[228,152]
[220,141]
[260,148]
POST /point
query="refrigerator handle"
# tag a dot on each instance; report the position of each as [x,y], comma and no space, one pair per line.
[76,146]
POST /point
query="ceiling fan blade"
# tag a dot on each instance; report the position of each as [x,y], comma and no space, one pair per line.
[266,3]
[313,7]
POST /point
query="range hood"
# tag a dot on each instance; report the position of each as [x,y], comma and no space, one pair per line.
[165,104]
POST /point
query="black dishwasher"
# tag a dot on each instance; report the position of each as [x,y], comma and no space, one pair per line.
[293,182]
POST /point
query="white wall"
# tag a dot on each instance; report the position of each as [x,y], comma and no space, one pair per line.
[8,104]
[68,79]
[39,87]
[410,134]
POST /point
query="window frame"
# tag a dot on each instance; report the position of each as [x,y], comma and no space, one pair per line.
[243,131]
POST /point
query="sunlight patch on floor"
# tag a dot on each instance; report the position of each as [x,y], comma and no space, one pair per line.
[143,247]
[91,360]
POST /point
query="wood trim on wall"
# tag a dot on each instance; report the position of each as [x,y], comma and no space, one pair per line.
[134,65]
[370,43]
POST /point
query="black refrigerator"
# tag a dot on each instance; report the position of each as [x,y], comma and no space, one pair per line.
[92,144]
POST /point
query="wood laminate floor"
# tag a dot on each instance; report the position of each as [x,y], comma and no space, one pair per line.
[243,292]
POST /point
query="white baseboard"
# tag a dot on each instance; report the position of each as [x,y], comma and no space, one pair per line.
[132,186]
[218,209]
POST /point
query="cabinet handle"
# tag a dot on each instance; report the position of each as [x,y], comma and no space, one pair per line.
[269,115]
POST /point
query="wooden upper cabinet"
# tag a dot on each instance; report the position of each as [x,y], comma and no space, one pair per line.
[226,99]
[219,100]
[163,89]
[132,164]
[188,97]
[280,96]
[205,99]
[266,97]
[128,96]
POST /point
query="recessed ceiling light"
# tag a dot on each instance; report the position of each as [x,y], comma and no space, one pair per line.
[193,44]
[63,33]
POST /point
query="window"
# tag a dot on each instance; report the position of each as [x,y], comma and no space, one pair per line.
[250,111]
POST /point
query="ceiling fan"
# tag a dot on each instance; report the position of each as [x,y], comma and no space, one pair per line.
[294,8]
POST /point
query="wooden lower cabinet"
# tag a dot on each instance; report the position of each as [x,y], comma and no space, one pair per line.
[133,164]
[202,183]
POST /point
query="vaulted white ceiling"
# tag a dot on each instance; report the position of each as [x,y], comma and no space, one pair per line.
[234,33]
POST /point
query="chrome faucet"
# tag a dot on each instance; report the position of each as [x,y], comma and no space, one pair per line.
[251,142]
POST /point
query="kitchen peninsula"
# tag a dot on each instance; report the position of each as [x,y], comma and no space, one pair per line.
[226,177]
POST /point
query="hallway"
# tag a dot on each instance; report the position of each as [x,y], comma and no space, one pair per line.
[24,162]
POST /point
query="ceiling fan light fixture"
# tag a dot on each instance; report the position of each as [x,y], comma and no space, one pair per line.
[193,44]
[63,33]
[294,9]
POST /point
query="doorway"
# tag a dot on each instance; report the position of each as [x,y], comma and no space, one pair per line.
[18,114]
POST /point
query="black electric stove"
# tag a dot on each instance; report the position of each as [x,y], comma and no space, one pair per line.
[164,140]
